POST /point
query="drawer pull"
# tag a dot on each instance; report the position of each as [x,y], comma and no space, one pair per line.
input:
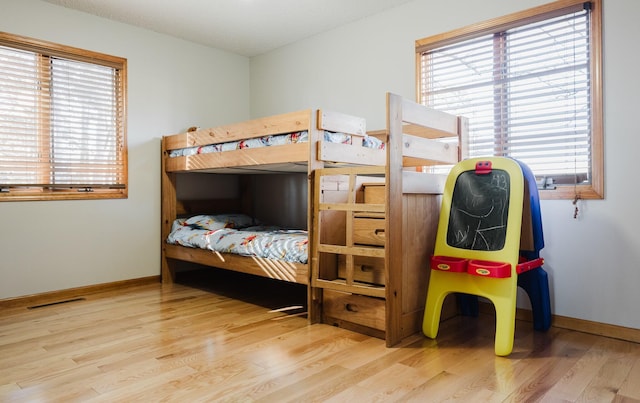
[379,232]
[351,307]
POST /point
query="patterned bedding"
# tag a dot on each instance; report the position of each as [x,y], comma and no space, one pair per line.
[266,141]
[242,235]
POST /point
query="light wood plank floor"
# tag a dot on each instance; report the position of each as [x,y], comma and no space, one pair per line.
[222,337]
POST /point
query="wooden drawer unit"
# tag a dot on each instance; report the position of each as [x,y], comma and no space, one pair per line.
[368,229]
[353,308]
[374,224]
[368,276]
[365,269]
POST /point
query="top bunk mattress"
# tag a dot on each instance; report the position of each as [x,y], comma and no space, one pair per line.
[276,140]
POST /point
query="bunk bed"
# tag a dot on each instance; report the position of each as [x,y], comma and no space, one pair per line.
[387,166]
[289,142]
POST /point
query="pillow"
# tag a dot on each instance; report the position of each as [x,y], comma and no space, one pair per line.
[219,221]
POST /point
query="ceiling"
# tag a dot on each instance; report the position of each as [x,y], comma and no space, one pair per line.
[245,27]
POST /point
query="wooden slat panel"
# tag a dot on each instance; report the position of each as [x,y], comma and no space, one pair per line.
[176,141]
[340,122]
[351,250]
[289,153]
[280,270]
[359,207]
[427,132]
[415,113]
[339,285]
[363,170]
[409,162]
[421,148]
[350,154]
[271,125]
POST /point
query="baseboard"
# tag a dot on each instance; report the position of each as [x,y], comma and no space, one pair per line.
[579,325]
[54,297]
[602,329]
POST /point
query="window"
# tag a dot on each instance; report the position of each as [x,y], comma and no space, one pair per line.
[530,84]
[62,122]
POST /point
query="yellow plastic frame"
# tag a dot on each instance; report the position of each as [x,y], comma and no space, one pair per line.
[500,291]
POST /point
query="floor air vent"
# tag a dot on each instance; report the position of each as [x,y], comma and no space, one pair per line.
[66,301]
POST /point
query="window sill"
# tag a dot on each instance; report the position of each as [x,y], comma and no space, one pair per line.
[39,195]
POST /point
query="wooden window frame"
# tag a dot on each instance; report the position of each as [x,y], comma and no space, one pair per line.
[51,191]
[595,189]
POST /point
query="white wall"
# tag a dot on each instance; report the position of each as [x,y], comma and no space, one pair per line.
[593,261]
[172,85]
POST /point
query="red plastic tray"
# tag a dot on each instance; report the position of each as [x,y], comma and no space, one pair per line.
[487,268]
[446,263]
[526,265]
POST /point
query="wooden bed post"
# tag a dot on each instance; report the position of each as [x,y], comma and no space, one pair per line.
[394,263]
[314,294]
[169,214]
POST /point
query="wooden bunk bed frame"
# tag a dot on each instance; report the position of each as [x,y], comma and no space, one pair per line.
[412,138]
[296,157]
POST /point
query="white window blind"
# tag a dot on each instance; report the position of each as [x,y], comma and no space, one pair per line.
[526,91]
[61,122]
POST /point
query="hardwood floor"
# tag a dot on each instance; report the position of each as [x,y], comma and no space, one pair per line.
[220,336]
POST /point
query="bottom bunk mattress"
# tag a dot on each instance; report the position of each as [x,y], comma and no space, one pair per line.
[241,235]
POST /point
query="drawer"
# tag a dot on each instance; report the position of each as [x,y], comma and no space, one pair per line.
[365,269]
[368,231]
[358,309]
[374,193]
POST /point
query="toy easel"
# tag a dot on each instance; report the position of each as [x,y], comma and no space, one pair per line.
[488,242]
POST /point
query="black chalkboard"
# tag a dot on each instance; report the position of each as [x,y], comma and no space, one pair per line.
[479,211]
